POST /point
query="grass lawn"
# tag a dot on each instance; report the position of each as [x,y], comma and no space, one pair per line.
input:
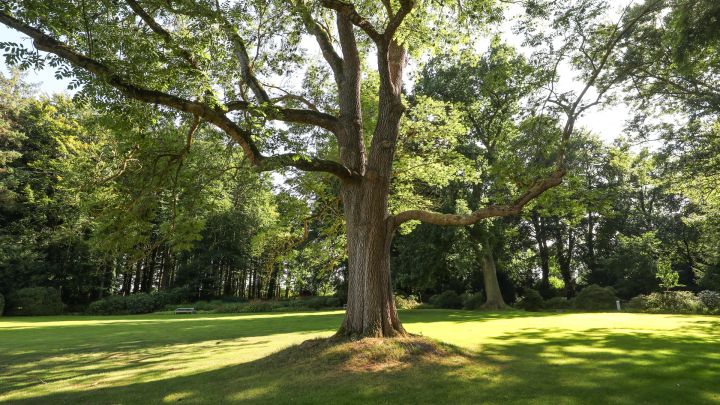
[495,358]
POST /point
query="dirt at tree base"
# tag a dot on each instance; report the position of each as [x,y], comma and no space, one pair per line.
[369,354]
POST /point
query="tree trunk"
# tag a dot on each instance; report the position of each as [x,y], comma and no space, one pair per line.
[493,296]
[371,308]
[565,260]
[543,251]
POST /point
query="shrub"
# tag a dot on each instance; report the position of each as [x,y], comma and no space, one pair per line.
[594,298]
[472,300]
[35,301]
[709,299]
[678,302]
[2,304]
[260,306]
[174,296]
[206,305]
[639,303]
[112,305]
[319,302]
[140,303]
[231,308]
[409,302]
[558,303]
[447,299]
[531,300]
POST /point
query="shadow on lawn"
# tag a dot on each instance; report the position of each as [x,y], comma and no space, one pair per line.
[43,350]
[552,366]
[120,334]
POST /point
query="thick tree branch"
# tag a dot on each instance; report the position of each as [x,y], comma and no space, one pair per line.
[241,54]
[215,116]
[395,21]
[349,11]
[164,34]
[492,211]
[292,115]
[322,38]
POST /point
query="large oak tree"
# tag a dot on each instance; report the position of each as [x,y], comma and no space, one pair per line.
[229,64]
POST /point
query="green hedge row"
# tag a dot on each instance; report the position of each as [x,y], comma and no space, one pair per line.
[140,303]
[168,301]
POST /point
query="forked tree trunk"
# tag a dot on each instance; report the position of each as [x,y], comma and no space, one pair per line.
[371,307]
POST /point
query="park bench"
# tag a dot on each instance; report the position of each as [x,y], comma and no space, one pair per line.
[184,311]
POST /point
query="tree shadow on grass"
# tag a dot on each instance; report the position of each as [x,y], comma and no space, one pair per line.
[542,366]
[129,333]
[42,351]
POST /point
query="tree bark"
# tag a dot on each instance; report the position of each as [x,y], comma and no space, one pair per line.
[493,295]
[371,308]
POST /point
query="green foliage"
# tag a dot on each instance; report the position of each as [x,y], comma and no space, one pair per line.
[674,302]
[472,301]
[318,302]
[140,303]
[630,267]
[35,301]
[447,299]
[113,305]
[559,303]
[298,304]
[258,306]
[531,300]
[595,298]
[710,300]
[2,304]
[406,302]
[668,277]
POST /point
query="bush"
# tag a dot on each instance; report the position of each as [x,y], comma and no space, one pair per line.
[709,299]
[531,301]
[300,304]
[174,296]
[112,305]
[140,303]
[639,303]
[230,308]
[409,302]
[260,306]
[595,298]
[446,299]
[35,301]
[2,304]
[319,302]
[558,303]
[677,302]
[472,300]
[205,305]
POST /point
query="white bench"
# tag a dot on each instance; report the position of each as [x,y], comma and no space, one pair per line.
[184,311]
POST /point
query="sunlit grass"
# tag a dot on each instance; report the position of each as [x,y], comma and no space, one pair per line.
[510,357]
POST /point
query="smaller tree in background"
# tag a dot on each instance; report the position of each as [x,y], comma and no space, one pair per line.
[668,277]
